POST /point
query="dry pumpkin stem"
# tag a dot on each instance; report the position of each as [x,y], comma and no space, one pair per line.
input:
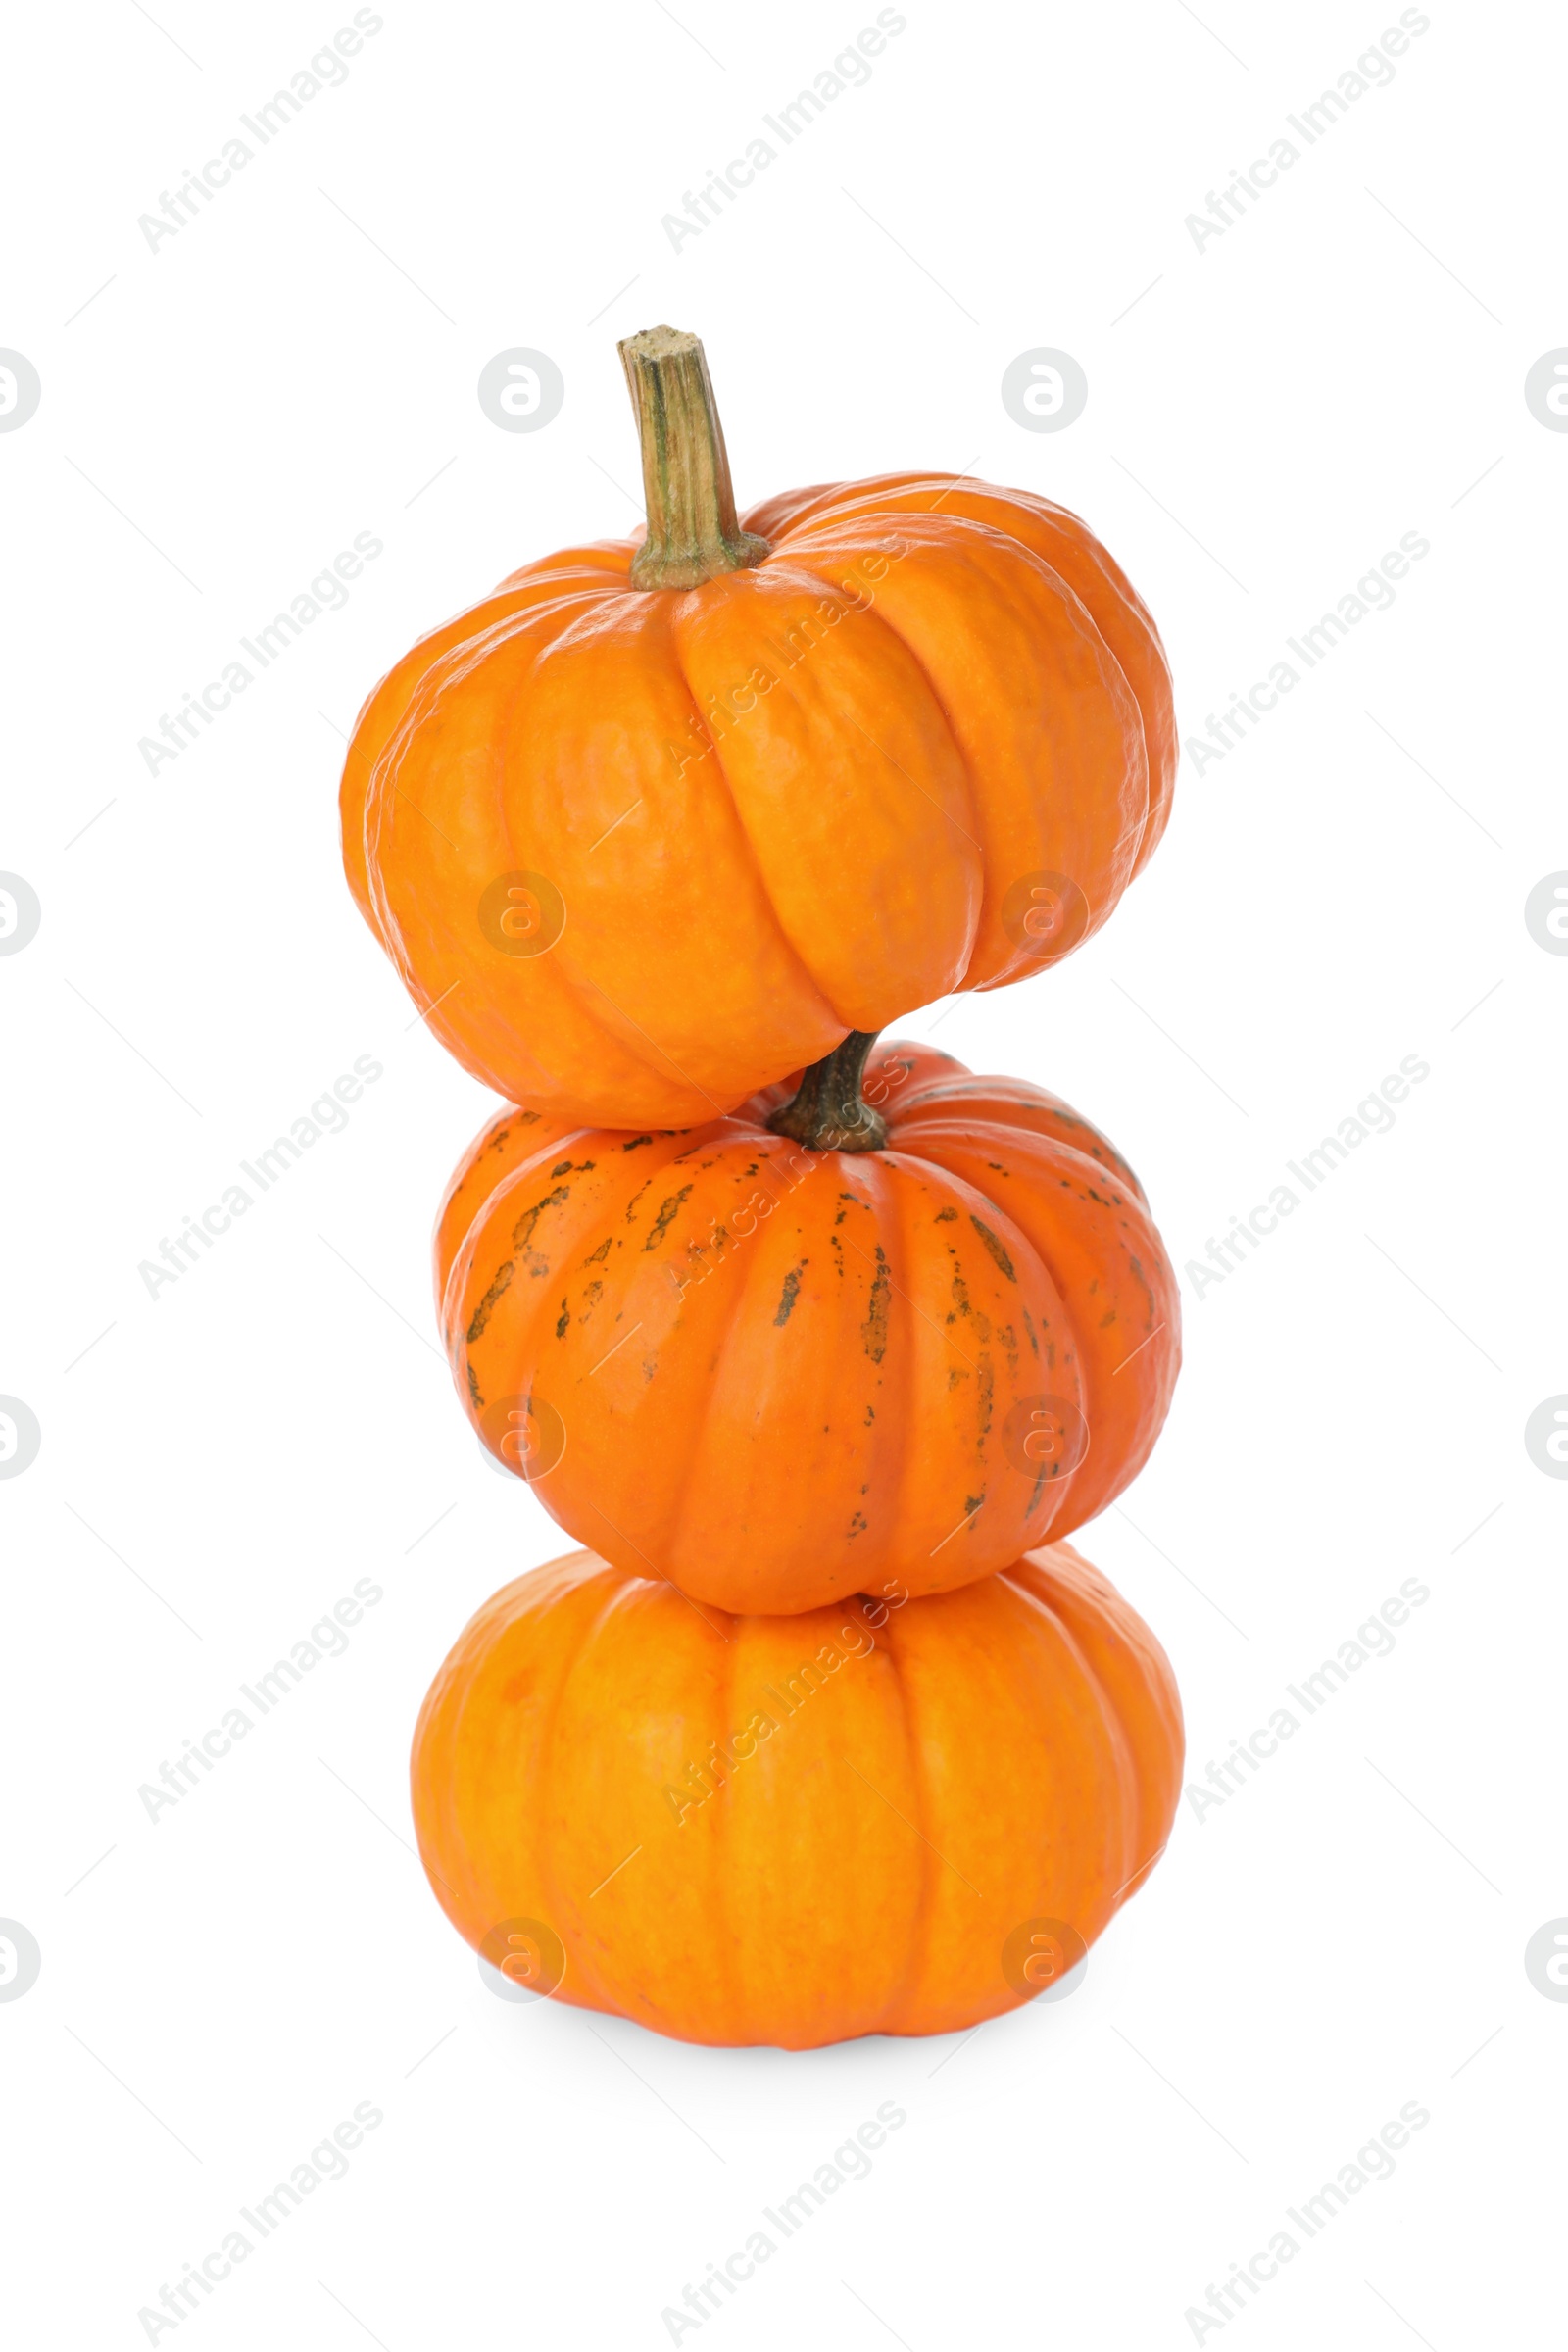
[693,531]
[827,1113]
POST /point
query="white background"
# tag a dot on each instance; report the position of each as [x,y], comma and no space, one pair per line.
[1343,365]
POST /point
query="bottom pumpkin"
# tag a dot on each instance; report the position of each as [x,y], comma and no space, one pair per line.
[867,1819]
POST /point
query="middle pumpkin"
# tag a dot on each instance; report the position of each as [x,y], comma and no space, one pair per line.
[885,1350]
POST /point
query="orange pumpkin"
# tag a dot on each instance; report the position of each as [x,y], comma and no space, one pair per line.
[809,1350]
[655,825]
[794,1830]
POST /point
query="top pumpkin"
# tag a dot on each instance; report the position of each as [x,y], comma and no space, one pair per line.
[658,823]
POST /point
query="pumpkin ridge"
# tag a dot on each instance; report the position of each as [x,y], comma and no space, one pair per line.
[674,1527]
[1071,527]
[1066,1156]
[815,582]
[1037,1276]
[1088,1178]
[724,1836]
[558,1906]
[1124,1778]
[959,752]
[779,513]
[1129,1238]
[382,790]
[552,627]
[411,673]
[561,642]
[1124,1274]
[653,608]
[676,1533]
[894,1412]
[944,1121]
[918,1952]
[890,1199]
[1128,1806]
[497,1209]
[457,1695]
[449,1305]
[449,668]
[620,549]
[881,494]
[1088,628]
[754,857]
[831,504]
[1119,689]
[1088,1593]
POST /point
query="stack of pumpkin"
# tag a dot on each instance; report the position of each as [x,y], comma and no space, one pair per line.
[823,1347]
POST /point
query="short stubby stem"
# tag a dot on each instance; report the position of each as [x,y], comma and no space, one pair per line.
[693,531]
[828,1113]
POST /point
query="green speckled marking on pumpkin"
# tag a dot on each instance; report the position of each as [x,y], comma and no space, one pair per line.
[486,1307]
[993,1244]
[874,1331]
[523,1230]
[790,1293]
[668,1209]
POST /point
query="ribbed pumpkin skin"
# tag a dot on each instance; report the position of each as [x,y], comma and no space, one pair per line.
[782,1376]
[981,1759]
[962,692]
